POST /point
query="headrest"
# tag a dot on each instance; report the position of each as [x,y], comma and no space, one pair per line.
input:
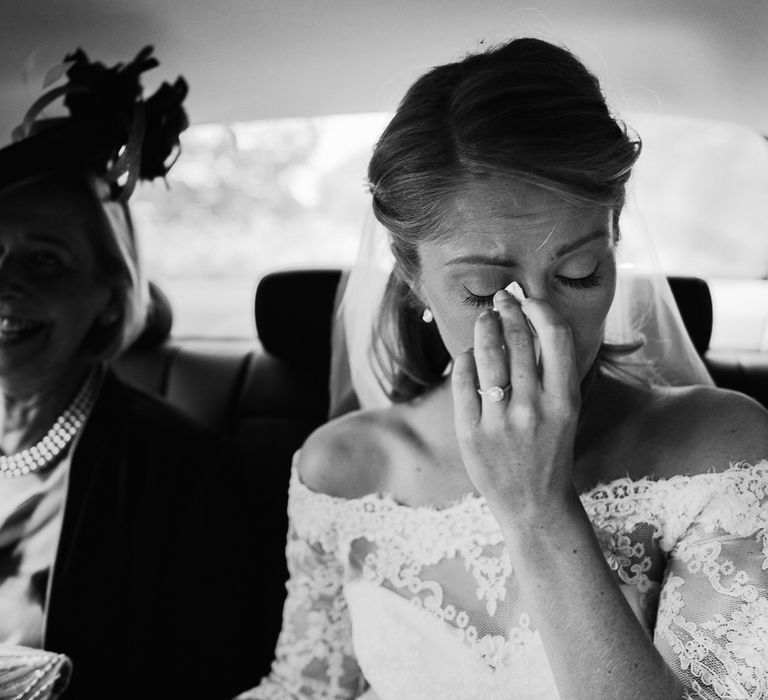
[294,309]
[157,328]
[695,304]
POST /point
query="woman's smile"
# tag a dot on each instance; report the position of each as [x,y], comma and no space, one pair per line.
[18,329]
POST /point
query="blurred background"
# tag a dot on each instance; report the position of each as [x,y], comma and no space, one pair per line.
[287,99]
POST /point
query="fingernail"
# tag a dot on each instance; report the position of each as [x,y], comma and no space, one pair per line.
[498,297]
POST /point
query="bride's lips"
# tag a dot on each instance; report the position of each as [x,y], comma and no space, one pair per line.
[18,329]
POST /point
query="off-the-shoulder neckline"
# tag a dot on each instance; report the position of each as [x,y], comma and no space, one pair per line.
[623,487]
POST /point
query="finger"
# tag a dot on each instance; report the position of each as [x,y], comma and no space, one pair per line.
[466,402]
[490,355]
[559,376]
[518,339]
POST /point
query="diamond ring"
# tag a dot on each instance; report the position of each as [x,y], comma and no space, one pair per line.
[494,393]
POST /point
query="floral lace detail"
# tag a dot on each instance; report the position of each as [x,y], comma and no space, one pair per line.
[713,614]
[492,574]
[745,634]
[700,540]
[626,557]
[316,635]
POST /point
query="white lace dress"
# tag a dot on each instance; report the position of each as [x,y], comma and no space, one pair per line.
[402,603]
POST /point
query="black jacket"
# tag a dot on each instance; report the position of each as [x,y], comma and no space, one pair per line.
[154,591]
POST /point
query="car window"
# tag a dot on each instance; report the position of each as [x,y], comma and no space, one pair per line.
[701,189]
[247,198]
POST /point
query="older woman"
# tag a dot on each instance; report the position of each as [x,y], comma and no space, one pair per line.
[122,523]
[534,511]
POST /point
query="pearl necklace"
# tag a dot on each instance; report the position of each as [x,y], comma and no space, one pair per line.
[57,439]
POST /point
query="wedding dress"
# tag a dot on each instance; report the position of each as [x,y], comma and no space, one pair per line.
[393,602]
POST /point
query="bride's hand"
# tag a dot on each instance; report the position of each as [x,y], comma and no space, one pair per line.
[519,451]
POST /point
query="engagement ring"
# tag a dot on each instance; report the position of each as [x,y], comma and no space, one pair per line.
[494,393]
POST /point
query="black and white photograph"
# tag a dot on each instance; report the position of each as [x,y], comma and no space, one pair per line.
[404,350]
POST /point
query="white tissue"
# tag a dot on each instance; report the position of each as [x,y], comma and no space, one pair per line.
[516,291]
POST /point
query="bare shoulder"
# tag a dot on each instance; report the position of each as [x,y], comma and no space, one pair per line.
[699,429]
[349,456]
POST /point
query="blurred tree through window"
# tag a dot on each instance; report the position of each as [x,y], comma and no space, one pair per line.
[245,199]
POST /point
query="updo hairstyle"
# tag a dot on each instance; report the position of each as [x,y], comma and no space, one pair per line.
[526,110]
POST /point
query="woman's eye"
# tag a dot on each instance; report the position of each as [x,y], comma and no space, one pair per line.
[590,280]
[478,301]
[580,272]
[593,279]
[44,261]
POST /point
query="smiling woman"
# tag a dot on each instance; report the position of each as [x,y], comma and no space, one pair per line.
[60,277]
[107,496]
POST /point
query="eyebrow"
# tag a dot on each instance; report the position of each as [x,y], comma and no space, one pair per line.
[500,262]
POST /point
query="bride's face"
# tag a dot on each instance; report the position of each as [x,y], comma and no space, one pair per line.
[498,231]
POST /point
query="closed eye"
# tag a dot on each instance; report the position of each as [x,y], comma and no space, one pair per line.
[593,279]
[478,301]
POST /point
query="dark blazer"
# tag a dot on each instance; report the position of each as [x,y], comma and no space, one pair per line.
[154,591]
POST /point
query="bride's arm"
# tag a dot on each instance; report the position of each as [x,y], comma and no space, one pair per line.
[595,644]
[314,655]
[519,452]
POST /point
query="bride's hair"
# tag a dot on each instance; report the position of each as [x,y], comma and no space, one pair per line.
[528,110]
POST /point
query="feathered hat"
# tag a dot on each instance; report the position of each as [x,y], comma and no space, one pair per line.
[111,129]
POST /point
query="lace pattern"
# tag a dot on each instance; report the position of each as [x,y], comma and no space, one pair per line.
[690,554]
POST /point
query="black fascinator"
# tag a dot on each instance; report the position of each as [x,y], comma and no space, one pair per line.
[111,130]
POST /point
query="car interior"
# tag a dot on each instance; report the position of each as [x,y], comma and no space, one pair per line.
[248,61]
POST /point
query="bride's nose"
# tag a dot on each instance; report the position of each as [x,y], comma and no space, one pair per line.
[533,288]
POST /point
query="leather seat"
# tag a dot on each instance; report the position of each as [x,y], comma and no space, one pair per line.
[695,304]
[741,370]
[279,380]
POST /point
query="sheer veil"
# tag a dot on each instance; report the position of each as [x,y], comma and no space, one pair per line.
[645,339]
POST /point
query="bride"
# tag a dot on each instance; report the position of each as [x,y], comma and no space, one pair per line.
[536,512]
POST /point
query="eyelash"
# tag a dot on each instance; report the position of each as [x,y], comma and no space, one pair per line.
[477,301]
[591,280]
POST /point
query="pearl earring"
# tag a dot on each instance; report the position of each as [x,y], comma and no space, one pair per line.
[427,316]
